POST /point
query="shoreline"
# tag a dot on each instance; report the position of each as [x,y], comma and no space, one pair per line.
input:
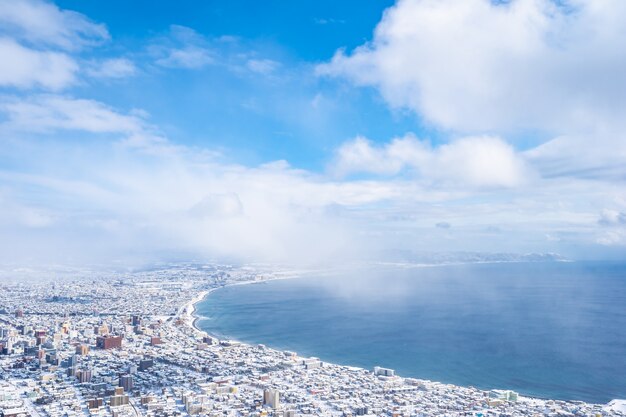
[192,317]
[189,311]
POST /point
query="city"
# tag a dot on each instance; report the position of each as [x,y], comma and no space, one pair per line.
[128,347]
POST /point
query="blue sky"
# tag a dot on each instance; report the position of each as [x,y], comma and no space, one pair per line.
[232,109]
[310,131]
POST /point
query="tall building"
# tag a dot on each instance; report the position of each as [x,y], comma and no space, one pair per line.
[271,398]
[109,342]
[126,382]
[119,398]
[84,376]
[71,361]
[95,403]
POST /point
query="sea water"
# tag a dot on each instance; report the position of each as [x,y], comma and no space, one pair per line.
[551,330]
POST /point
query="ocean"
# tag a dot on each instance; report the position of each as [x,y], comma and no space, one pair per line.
[550,330]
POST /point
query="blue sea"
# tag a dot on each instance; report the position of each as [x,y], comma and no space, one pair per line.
[550,330]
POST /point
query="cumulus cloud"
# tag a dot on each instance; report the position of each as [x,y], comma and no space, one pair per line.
[481,161]
[475,65]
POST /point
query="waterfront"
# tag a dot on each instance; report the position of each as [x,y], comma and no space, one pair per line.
[552,330]
[110,353]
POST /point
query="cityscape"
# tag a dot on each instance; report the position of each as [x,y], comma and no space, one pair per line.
[312,208]
[124,344]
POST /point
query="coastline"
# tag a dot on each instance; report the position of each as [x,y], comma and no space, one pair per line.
[189,311]
[192,317]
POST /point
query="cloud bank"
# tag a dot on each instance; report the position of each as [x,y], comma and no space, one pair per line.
[84,179]
[478,65]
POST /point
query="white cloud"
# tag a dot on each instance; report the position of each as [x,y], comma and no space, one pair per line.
[52,112]
[183,48]
[112,68]
[43,23]
[612,238]
[218,205]
[18,214]
[475,65]
[48,114]
[600,156]
[182,201]
[191,57]
[612,218]
[35,38]
[23,67]
[481,161]
[262,66]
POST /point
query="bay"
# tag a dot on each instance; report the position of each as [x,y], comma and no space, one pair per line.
[550,330]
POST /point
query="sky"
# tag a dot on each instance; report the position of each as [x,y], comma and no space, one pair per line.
[310,131]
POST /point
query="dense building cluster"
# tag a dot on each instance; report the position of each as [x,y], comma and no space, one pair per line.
[124,345]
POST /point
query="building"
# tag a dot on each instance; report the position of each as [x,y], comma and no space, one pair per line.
[109,342]
[14,412]
[503,395]
[71,361]
[154,340]
[271,398]
[84,376]
[102,329]
[126,382]
[95,403]
[119,398]
[82,350]
[383,371]
[145,364]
